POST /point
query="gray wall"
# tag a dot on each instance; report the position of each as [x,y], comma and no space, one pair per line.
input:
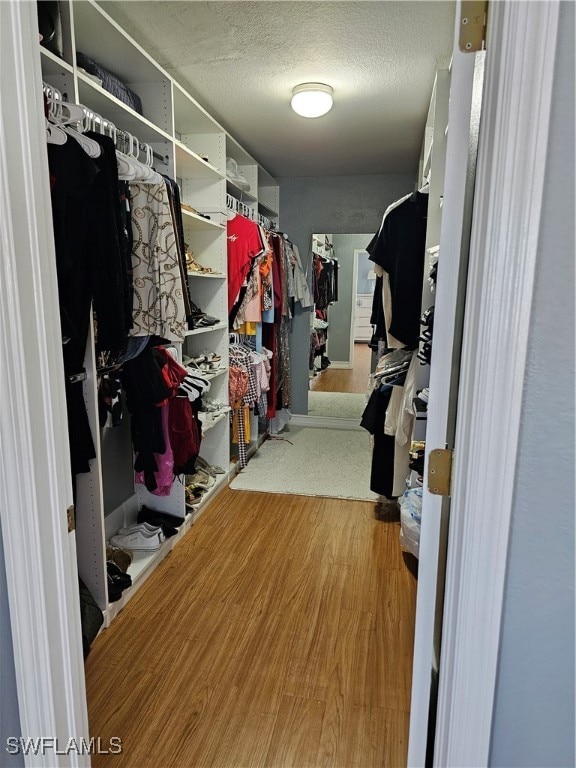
[534,713]
[340,314]
[336,204]
[9,716]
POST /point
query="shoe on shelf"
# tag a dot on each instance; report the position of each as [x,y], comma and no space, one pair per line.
[209,357]
[168,523]
[121,579]
[193,496]
[200,479]
[136,541]
[423,394]
[122,557]
[206,322]
[209,405]
[212,469]
[146,528]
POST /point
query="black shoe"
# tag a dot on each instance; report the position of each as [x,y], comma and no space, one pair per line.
[117,581]
[168,523]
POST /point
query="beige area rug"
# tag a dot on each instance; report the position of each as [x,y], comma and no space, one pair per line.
[336,405]
[311,462]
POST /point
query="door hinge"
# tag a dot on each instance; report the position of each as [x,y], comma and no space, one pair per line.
[440,471]
[473,19]
[71,514]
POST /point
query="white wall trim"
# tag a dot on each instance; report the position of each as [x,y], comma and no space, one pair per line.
[344,365]
[510,178]
[35,486]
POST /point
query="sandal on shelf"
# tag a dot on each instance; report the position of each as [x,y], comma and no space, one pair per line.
[210,357]
[212,469]
[193,266]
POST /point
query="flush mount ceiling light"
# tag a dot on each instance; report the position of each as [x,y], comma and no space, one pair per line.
[312,99]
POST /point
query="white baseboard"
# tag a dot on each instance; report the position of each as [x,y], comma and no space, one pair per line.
[324,422]
[341,365]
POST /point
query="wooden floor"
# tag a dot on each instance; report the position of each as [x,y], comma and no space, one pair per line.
[279,632]
[346,380]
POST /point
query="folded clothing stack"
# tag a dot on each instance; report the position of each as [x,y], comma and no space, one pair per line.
[110,82]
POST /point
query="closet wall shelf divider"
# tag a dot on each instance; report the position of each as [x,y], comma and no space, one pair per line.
[206,427]
[233,189]
[195,221]
[189,164]
[197,331]
[265,210]
[94,97]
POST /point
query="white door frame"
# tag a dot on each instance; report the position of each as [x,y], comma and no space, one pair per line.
[35,484]
[441,407]
[520,61]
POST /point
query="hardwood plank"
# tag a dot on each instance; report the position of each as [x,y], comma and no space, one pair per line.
[296,736]
[362,737]
[346,380]
[278,632]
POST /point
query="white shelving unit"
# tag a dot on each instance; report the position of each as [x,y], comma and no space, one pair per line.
[191,147]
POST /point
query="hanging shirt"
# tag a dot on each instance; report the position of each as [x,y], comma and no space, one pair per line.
[244,244]
[158,291]
[399,250]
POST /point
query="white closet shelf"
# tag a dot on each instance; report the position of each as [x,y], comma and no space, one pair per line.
[189,116]
[206,275]
[237,152]
[53,64]
[266,210]
[97,35]
[220,372]
[207,426]
[219,327]
[194,221]
[190,165]
[233,189]
[94,97]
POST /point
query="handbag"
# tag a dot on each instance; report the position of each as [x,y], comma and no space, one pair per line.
[50,25]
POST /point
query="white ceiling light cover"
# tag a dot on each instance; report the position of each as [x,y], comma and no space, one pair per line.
[312,99]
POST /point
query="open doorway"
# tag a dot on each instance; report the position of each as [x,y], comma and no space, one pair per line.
[341,357]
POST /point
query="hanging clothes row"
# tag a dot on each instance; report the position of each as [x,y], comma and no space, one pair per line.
[325,291]
[119,253]
[398,251]
[265,279]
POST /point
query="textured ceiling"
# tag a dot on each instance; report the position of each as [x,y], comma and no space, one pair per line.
[241,59]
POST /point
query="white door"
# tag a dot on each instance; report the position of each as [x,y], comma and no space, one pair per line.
[461,147]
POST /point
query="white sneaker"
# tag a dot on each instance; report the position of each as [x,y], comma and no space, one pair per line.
[137,541]
[146,528]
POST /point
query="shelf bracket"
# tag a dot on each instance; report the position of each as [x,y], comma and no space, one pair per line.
[473,18]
